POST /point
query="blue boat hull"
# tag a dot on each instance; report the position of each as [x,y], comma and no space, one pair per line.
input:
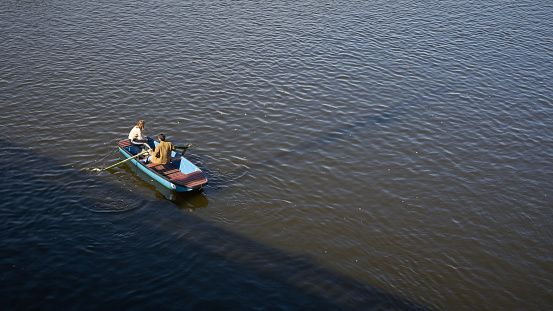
[179,166]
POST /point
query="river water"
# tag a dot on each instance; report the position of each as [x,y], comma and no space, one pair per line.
[361,154]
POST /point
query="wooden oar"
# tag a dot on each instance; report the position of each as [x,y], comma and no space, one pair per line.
[184,147]
[114,165]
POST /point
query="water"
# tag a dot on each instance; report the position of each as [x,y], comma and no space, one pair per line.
[360,154]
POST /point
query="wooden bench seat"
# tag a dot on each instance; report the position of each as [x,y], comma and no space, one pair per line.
[124,143]
[189,180]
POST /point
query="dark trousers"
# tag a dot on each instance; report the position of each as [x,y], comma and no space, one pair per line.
[142,143]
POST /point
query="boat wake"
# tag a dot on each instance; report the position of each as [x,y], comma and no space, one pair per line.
[116,202]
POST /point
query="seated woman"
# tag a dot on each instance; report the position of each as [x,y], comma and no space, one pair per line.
[162,153]
[136,137]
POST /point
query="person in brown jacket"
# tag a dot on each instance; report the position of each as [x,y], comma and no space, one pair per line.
[162,153]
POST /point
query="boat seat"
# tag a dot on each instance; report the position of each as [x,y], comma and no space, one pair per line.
[164,169]
[190,180]
[175,176]
[125,143]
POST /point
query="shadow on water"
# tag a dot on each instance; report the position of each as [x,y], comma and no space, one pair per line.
[177,261]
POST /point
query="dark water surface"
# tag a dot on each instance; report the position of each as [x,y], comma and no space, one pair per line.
[361,154]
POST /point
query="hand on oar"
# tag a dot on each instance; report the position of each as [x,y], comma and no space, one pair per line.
[137,155]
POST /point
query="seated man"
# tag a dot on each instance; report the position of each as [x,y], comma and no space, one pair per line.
[162,153]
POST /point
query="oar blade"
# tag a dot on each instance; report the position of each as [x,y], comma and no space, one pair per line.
[190,145]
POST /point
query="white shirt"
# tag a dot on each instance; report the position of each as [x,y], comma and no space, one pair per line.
[135,133]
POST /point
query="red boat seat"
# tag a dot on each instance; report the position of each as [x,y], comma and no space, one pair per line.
[124,143]
[189,180]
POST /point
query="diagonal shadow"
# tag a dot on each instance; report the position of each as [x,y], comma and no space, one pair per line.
[324,288]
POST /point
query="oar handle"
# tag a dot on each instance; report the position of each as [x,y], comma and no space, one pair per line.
[114,165]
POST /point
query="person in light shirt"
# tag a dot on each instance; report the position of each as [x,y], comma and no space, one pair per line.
[136,136]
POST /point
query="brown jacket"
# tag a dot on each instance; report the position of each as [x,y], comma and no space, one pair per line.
[162,153]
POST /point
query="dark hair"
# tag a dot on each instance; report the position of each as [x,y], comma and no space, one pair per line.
[161,137]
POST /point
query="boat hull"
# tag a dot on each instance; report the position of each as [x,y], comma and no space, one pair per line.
[180,175]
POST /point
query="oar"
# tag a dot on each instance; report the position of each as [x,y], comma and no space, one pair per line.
[114,165]
[184,147]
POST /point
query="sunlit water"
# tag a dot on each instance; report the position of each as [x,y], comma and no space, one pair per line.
[396,146]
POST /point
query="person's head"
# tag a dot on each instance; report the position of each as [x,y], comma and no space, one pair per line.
[140,125]
[161,137]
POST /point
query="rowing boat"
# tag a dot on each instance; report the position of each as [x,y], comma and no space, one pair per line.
[179,175]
